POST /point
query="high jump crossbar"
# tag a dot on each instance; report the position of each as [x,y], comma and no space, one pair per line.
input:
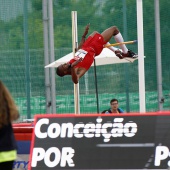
[116,44]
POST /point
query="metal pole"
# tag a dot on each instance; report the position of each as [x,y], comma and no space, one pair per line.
[95,78]
[158,55]
[86,81]
[52,58]
[126,65]
[141,69]
[27,59]
[75,45]
[46,56]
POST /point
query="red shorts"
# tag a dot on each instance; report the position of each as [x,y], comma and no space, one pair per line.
[96,43]
[87,61]
[94,46]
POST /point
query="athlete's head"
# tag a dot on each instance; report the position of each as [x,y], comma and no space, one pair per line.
[63,69]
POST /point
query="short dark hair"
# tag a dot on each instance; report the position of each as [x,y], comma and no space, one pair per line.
[113,100]
[58,72]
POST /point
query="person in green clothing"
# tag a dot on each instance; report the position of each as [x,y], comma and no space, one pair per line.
[8,113]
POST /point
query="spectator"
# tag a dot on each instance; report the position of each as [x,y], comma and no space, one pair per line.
[114,107]
[8,113]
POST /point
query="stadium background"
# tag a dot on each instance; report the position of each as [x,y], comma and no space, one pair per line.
[22,54]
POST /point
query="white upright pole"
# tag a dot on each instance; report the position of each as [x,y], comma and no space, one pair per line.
[52,58]
[74,46]
[158,55]
[46,57]
[141,56]
[86,81]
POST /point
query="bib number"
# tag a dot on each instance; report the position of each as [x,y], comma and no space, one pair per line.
[80,54]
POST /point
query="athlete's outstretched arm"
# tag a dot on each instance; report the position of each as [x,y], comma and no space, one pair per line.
[77,74]
[84,36]
[74,76]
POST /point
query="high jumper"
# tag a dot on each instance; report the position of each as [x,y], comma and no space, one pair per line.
[91,47]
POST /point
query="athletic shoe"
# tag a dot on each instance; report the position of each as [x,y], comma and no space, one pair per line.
[130,54]
[119,54]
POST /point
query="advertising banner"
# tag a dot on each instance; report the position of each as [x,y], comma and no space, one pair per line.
[21,163]
[23,134]
[101,142]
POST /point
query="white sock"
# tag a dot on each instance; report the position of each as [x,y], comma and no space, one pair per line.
[118,38]
[111,47]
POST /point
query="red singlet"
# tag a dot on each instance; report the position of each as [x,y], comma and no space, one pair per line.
[94,46]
